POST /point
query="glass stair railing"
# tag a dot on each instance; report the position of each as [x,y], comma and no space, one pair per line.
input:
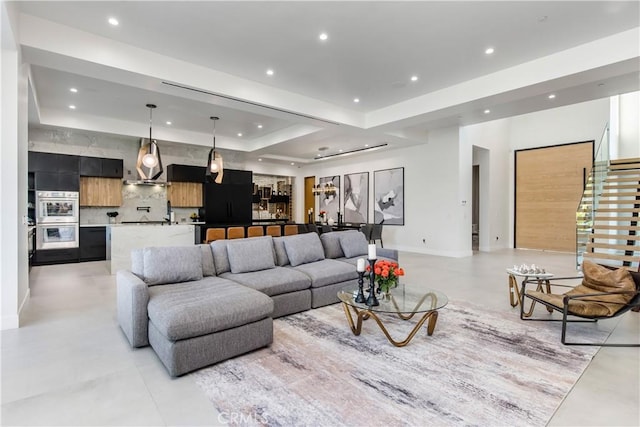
[594,184]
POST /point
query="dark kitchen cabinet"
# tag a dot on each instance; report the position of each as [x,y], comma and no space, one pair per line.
[187,173]
[93,243]
[38,162]
[66,164]
[55,256]
[99,167]
[56,181]
[229,202]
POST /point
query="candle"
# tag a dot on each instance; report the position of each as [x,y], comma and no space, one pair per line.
[372,251]
[360,265]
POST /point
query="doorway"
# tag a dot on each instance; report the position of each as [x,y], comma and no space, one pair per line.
[309,199]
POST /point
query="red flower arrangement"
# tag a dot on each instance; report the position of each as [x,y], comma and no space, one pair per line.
[386,274]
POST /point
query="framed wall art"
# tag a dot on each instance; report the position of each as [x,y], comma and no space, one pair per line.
[356,198]
[330,201]
[388,196]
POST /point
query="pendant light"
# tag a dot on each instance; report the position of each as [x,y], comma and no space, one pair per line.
[214,164]
[149,164]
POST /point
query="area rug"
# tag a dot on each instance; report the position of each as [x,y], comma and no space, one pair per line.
[478,368]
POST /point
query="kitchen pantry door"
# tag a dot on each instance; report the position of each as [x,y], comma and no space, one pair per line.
[549,184]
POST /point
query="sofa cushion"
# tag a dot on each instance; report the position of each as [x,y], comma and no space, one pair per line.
[327,272]
[172,264]
[303,248]
[276,281]
[331,244]
[220,256]
[208,268]
[280,251]
[203,307]
[251,254]
[353,243]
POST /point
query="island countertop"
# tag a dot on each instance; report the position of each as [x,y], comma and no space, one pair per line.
[123,238]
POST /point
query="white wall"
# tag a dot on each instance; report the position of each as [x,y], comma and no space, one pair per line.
[433,194]
[13,176]
[629,125]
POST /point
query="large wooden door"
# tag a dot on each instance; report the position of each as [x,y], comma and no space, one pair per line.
[309,198]
[549,184]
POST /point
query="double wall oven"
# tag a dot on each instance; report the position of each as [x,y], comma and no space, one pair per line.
[57,220]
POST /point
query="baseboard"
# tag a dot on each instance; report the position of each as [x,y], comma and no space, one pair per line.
[426,251]
[13,321]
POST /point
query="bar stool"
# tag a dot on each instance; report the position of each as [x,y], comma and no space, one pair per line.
[255,231]
[235,233]
[214,234]
[290,229]
[274,230]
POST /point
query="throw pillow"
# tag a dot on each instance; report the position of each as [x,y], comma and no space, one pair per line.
[220,257]
[353,243]
[172,264]
[252,254]
[303,248]
[331,244]
[281,253]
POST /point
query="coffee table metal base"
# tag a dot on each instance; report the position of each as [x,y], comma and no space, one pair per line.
[356,326]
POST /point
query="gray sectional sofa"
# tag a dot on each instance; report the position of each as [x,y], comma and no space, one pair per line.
[198,305]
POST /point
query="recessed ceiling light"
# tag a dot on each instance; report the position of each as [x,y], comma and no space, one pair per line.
[318,155]
[414,78]
[292,163]
[487,111]
[259,160]
[239,133]
[551,96]
[366,145]
[323,36]
[72,107]
[114,22]
[340,151]
[73,89]
[169,123]
[356,100]
[489,51]
[259,126]
[269,72]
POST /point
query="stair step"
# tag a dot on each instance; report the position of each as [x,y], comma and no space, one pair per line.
[617,219]
[600,255]
[619,202]
[625,161]
[624,179]
[619,210]
[631,172]
[614,236]
[621,186]
[628,227]
[621,194]
[616,247]
[624,166]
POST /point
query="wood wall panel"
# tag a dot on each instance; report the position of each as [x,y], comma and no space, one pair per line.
[549,184]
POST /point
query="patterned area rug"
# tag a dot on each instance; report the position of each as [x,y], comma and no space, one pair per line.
[478,368]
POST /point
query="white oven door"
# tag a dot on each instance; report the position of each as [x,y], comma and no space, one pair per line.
[57,210]
[57,236]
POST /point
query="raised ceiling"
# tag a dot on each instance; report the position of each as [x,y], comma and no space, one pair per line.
[197,59]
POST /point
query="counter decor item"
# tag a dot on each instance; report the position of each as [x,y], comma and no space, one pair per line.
[321,215]
[387,275]
[194,217]
[112,216]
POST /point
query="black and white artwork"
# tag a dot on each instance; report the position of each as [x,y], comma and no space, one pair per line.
[356,197]
[388,190]
[330,201]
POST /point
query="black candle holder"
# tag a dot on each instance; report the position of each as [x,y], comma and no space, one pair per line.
[371,299]
[360,297]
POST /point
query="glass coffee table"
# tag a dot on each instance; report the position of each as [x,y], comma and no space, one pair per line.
[399,303]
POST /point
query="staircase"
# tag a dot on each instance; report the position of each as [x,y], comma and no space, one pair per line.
[608,229]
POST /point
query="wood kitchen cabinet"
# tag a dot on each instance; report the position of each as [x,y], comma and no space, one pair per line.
[185,194]
[100,191]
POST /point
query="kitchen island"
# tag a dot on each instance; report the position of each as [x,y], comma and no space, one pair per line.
[122,238]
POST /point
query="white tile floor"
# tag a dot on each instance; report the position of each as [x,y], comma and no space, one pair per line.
[69,364]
